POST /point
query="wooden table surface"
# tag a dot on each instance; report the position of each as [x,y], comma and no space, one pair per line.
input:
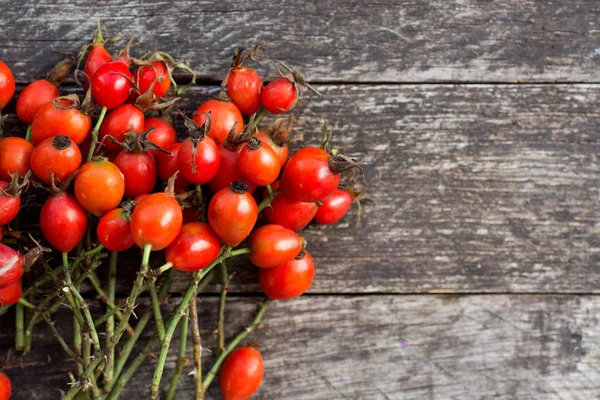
[475,273]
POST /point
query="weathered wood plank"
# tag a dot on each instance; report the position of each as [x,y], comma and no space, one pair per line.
[379,41]
[478,188]
[391,347]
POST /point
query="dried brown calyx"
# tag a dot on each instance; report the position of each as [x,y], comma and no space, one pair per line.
[239,58]
[17,185]
[60,71]
[296,77]
[196,133]
[239,187]
[341,163]
[172,64]
[234,141]
[73,101]
[282,129]
[128,207]
[254,143]
[302,253]
[139,143]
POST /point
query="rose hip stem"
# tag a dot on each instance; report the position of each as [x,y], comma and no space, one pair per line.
[78,302]
[180,312]
[19,323]
[139,329]
[110,322]
[197,344]
[232,345]
[146,351]
[137,289]
[268,200]
[259,116]
[181,358]
[95,133]
[221,315]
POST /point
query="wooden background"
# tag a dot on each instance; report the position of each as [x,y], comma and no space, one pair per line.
[475,273]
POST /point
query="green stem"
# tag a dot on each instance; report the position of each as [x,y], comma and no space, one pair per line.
[135,364]
[261,114]
[165,267]
[95,133]
[27,304]
[139,329]
[197,345]
[267,200]
[222,301]
[110,322]
[93,251]
[181,359]
[77,317]
[122,327]
[19,337]
[37,316]
[158,319]
[154,390]
[113,309]
[76,302]
[61,341]
[77,344]
[28,134]
[239,252]
[269,189]
[241,336]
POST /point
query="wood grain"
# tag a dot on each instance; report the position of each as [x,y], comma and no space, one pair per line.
[477,188]
[389,347]
[349,41]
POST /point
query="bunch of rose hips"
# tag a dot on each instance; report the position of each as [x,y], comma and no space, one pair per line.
[131,180]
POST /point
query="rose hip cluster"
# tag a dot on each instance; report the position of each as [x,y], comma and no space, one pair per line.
[130,177]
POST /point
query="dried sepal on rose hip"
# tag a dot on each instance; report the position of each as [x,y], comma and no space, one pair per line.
[258,163]
[278,137]
[224,116]
[123,119]
[137,164]
[97,56]
[198,158]
[164,133]
[10,197]
[229,153]
[67,116]
[312,173]
[281,94]
[244,84]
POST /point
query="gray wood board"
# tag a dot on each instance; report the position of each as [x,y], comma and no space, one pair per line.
[387,347]
[477,188]
[350,41]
